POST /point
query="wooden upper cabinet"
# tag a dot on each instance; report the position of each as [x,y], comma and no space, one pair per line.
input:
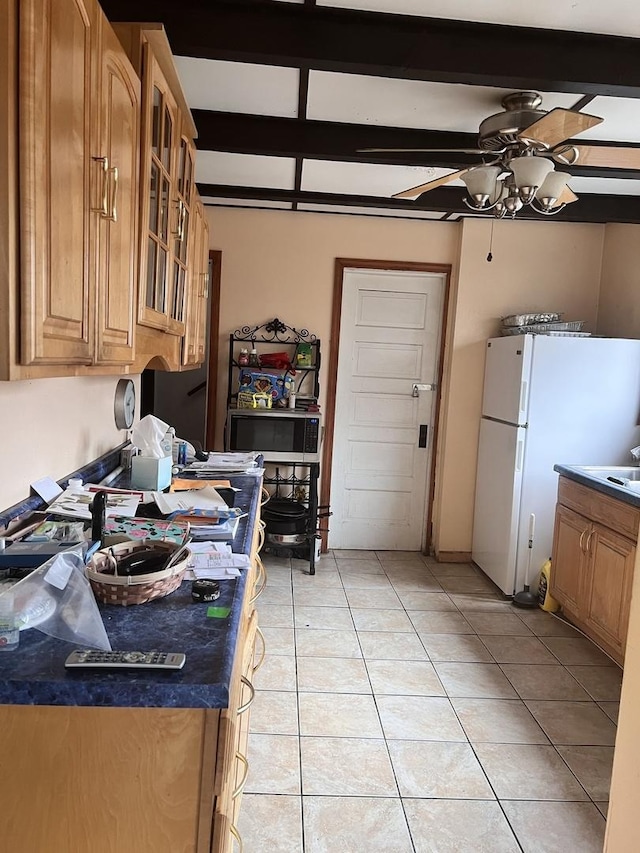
[78,131]
[166,192]
[57,79]
[193,351]
[119,200]
[159,219]
[185,159]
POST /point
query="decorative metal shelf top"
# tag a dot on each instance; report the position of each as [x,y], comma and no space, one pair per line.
[275,331]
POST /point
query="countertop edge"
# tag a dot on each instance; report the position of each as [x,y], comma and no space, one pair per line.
[620,493]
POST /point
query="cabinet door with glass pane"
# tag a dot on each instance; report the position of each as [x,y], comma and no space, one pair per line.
[159,214]
[181,242]
[196,313]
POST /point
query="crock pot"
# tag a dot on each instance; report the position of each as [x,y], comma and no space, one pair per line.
[285,517]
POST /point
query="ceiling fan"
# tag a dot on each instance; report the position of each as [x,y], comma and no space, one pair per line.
[521,147]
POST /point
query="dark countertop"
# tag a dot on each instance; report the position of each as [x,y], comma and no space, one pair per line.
[34,674]
[581,475]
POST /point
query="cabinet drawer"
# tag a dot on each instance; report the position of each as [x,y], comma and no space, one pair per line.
[600,508]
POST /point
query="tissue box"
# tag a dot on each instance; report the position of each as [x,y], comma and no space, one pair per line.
[151,474]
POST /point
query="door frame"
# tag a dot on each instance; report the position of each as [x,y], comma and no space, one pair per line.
[340,265]
[215,265]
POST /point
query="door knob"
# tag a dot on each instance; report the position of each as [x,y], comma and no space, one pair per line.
[418,388]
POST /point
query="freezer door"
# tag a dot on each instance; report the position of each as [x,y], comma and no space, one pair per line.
[498,488]
[506,378]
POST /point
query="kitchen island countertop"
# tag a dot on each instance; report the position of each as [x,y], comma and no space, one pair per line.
[34,674]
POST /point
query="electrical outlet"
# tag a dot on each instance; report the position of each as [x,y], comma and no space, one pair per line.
[126,455]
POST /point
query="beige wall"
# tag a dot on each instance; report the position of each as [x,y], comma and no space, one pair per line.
[50,427]
[278,263]
[619,312]
[281,264]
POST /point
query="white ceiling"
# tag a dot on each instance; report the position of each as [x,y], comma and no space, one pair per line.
[614,17]
[261,90]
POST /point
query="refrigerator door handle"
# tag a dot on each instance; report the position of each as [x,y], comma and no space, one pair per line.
[524,389]
[519,454]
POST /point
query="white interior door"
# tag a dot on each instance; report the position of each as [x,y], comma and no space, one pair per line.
[389,340]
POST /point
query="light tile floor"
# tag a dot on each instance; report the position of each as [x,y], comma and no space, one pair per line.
[404,707]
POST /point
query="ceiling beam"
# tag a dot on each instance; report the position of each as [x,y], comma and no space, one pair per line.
[272,136]
[386,45]
[590,207]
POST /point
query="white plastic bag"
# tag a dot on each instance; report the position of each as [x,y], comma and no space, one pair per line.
[57,599]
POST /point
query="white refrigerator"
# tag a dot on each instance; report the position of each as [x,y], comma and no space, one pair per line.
[547,400]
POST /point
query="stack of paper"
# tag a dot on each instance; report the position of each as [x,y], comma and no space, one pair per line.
[215,561]
[77,503]
[223,530]
[225,463]
[197,499]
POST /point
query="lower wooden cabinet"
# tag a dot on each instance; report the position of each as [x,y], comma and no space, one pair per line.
[594,550]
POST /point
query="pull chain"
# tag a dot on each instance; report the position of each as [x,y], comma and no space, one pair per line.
[490,255]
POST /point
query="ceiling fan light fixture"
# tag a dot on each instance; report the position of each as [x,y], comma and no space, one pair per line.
[551,189]
[512,204]
[529,172]
[481,184]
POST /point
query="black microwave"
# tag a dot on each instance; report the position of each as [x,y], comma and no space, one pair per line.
[281,435]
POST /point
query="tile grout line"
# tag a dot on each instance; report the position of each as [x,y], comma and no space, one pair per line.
[475,632]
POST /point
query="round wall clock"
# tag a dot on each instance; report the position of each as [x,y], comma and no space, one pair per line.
[124,404]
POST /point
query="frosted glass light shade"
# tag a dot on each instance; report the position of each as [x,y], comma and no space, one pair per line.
[552,187]
[481,182]
[530,171]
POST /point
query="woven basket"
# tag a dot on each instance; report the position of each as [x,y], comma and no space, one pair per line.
[110,588]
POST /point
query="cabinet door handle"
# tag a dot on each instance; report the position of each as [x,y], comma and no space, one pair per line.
[257,666]
[103,210]
[243,781]
[114,194]
[249,701]
[177,233]
[205,285]
[588,545]
[183,224]
[236,835]
[581,538]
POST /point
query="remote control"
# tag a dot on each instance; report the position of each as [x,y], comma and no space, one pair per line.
[89,659]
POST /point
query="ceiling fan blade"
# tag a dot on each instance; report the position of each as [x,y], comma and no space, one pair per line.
[430,185]
[422,151]
[608,155]
[558,125]
[567,196]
